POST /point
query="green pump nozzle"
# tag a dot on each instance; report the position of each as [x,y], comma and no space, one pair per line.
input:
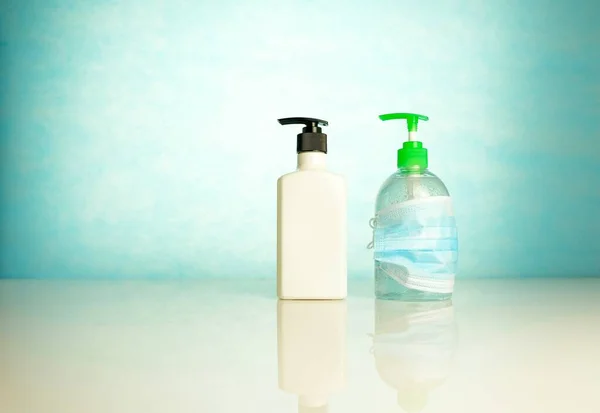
[412,155]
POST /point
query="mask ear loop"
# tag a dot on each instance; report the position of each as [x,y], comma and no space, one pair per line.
[372,224]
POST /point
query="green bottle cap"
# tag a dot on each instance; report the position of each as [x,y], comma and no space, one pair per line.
[412,155]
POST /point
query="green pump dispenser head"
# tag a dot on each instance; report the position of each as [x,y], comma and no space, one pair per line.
[412,155]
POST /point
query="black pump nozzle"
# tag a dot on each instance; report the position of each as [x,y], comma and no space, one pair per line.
[312,124]
[311,138]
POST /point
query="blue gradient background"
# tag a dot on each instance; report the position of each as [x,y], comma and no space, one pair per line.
[139,138]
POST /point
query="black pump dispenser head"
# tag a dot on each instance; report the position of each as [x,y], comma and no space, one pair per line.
[312,138]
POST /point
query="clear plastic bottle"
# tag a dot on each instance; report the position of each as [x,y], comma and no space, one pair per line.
[415,234]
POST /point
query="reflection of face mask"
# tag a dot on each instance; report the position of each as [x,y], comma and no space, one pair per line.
[425,349]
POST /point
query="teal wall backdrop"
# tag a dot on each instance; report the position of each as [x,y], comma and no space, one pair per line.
[139,137]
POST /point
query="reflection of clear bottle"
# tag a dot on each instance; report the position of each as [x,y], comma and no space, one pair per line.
[415,236]
[311,347]
[414,345]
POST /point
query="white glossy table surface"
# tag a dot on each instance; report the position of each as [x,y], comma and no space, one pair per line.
[229,346]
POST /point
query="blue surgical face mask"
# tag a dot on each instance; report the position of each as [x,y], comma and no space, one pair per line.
[416,243]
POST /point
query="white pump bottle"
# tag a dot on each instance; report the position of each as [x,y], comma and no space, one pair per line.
[311,222]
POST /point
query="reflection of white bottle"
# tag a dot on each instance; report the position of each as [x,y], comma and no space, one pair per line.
[311,222]
[311,347]
[414,345]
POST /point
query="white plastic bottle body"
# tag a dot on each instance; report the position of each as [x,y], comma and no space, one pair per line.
[311,232]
